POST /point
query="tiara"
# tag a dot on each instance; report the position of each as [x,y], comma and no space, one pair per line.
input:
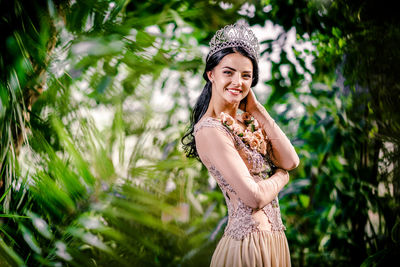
[238,34]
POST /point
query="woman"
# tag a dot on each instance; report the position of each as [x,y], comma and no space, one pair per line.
[246,153]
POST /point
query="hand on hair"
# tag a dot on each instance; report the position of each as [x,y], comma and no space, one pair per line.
[249,103]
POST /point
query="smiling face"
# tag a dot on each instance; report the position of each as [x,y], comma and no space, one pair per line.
[231,79]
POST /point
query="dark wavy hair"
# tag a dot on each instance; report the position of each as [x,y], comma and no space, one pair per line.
[201,106]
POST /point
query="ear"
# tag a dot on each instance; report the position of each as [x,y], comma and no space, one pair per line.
[210,75]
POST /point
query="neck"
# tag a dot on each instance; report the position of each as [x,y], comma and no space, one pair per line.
[214,109]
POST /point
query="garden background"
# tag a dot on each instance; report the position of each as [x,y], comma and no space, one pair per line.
[95,96]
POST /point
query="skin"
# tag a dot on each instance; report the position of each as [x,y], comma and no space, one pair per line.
[231,89]
[231,82]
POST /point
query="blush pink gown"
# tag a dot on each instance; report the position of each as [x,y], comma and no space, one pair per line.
[254,235]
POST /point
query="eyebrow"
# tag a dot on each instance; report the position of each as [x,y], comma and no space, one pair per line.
[227,67]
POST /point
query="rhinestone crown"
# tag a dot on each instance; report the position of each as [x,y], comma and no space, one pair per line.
[238,34]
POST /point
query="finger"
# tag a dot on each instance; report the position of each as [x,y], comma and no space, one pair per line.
[252,95]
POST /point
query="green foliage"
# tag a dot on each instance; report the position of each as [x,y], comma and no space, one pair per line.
[76,212]
[346,135]
[116,189]
[85,196]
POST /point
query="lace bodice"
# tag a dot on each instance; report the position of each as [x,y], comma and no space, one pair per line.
[240,173]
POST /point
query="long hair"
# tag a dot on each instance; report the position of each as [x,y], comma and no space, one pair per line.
[201,106]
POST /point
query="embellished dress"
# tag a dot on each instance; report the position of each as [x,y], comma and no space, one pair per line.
[254,235]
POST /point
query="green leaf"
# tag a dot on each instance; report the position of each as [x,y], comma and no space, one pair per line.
[304,200]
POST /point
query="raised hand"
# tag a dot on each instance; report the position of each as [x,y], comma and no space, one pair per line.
[249,103]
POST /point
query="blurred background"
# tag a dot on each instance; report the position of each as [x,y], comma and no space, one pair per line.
[95,96]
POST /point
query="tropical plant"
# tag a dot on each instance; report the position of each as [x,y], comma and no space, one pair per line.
[96,94]
[344,202]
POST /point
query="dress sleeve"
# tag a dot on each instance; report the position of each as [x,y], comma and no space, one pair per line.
[216,149]
[284,154]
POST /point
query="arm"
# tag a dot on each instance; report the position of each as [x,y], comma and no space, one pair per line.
[284,154]
[217,149]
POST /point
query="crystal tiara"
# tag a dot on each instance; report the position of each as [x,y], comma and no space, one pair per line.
[238,34]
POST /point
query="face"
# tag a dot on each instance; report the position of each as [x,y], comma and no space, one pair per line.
[231,78]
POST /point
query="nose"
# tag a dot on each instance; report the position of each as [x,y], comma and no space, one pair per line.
[237,79]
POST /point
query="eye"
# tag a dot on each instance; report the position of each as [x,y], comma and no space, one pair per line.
[227,72]
[247,76]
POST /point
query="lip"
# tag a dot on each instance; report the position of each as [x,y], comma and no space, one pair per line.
[234,91]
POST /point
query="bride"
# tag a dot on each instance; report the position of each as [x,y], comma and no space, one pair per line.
[244,150]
